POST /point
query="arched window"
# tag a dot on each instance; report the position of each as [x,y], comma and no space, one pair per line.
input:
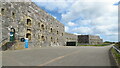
[51,39]
[38,24]
[28,30]
[28,35]
[57,32]
[62,34]
[28,22]
[42,38]
[42,26]
[2,11]
[13,14]
[51,30]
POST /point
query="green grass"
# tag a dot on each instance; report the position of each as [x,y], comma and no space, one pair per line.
[96,45]
[117,55]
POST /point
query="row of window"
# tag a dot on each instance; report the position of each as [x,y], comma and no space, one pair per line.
[70,38]
[28,21]
[3,12]
[42,38]
[40,25]
[28,34]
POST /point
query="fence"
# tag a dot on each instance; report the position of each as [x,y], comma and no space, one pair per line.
[3,40]
[116,49]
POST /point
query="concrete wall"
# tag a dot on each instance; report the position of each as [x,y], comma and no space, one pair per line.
[70,37]
[83,39]
[93,40]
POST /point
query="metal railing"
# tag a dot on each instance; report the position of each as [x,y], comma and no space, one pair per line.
[3,40]
[116,49]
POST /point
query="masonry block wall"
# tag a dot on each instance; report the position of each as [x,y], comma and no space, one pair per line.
[70,37]
[30,21]
[94,40]
[83,39]
[89,40]
[0,27]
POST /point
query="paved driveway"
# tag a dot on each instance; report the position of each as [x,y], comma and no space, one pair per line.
[58,56]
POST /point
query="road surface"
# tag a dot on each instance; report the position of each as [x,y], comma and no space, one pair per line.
[58,56]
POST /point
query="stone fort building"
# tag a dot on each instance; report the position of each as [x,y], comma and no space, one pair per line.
[30,21]
[89,40]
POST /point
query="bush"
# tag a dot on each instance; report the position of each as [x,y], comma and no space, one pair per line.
[7,45]
[118,44]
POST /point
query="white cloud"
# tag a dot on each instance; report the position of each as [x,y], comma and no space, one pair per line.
[106,30]
[83,30]
[105,20]
[99,17]
[66,28]
[84,22]
[55,17]
[55,5]
[89,10]
[76,34]
[71,24]
[53,0]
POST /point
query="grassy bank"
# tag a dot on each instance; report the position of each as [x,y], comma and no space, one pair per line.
[96,45]
[116,55]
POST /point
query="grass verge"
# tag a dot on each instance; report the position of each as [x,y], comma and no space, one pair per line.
[96,45]
[116,56]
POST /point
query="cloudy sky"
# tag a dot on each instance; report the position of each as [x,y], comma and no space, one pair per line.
[93,17]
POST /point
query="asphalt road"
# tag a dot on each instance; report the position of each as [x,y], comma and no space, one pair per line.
[58,56]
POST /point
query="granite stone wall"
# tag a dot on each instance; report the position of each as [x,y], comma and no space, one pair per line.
[71,37]
[89,40]
[30,21]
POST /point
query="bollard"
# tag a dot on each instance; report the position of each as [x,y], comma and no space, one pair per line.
[26,43]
